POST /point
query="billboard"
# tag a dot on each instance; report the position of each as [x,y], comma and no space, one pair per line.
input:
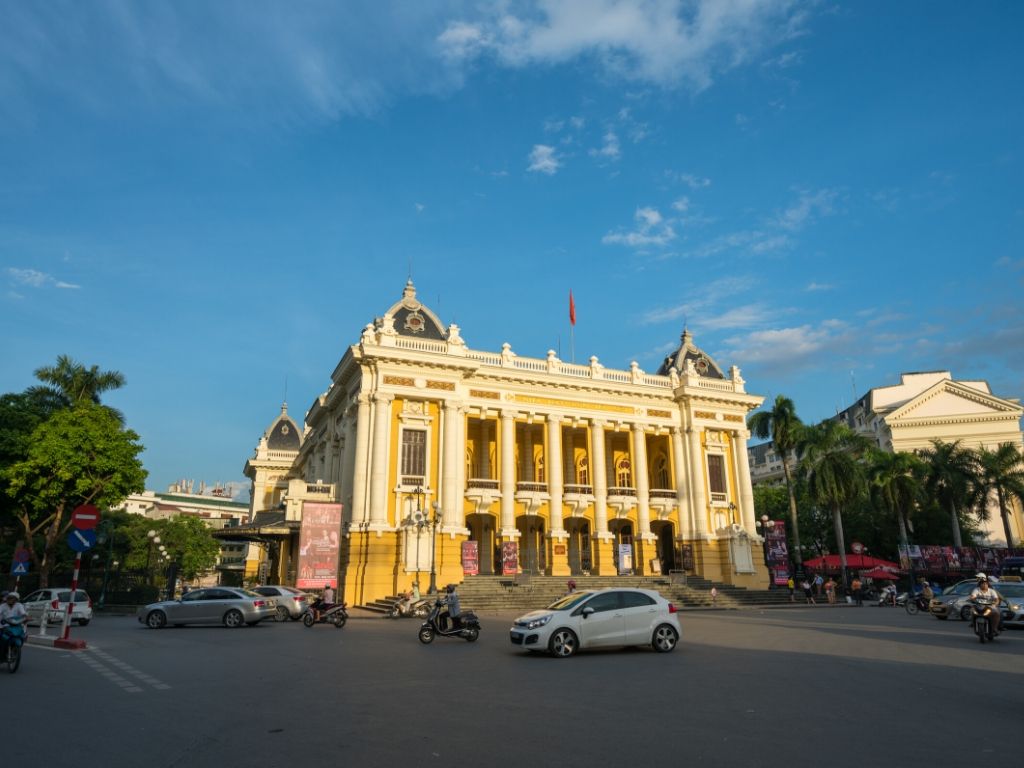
[318,545]
[470,558]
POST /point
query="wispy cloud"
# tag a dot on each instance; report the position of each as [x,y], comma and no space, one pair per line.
[689,179]
[651,229]
[807,206]
[706,301]
[786,348]
[609,148]
[543,159]
[816,286]
[32,278]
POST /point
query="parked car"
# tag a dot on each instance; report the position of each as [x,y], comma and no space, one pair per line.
[1013,603]
[53,602]
[953,601]
[291,602]
[598,619]
[230,606]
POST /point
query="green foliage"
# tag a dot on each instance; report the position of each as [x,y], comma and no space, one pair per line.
[1000,475]
[191,544]
[771,500]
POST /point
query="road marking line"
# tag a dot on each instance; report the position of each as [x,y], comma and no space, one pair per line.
[128,669]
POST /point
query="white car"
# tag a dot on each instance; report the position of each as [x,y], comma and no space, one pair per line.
[598,619]
[54,602]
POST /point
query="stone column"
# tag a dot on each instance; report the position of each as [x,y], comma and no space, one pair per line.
[379,461]
[700,504]
[739,447]
[682,486]
[359,461]
[553,458]
[507,481]
[449,465]
[600,477]
[348,455]
[458,512]
[485,442]
[643,483]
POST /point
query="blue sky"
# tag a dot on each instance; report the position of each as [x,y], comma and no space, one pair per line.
[214,198]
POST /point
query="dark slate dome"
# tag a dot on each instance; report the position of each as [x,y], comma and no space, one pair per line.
[411,318]
[284,434]
[688,351]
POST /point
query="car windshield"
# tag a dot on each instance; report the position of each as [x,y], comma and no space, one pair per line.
[569,601]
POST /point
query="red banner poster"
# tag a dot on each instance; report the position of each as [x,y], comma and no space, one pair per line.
[318,545]
[470,558]
[509,558]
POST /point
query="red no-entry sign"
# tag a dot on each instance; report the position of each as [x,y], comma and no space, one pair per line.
[85,517]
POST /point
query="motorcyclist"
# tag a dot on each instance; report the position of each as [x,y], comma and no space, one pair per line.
[984,595]
[452,601]
[11,612]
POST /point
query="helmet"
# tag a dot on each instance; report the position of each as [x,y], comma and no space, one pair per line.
[15,595]
[450,588]
[981,577]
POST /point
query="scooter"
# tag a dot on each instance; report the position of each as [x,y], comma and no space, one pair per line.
[466,625]
[409,608]
[325,614]
[14,635]
[981,621]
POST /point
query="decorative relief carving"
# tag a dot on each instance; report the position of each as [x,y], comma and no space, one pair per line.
[572,404]
[448,386]
[401,381]
[413,406]
[704,414]
[734,417]
[485,394]
[659,413]
[714,436]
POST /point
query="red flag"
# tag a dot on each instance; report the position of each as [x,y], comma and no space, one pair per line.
[572,309]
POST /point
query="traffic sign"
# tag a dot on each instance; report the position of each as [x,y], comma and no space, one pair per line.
[81,540]
[19,568]
[21,555]
[85,517]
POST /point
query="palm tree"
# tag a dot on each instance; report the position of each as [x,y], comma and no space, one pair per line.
[785,429]
[951,474]
[896,485]
[72,383]
[1000,473]
[835,475]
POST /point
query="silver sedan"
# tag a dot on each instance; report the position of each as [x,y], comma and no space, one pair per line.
[229,606]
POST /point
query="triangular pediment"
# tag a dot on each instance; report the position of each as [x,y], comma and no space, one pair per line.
[951,399]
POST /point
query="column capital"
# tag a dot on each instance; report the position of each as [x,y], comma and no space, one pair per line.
[598,423]
[382,398]
[508,413]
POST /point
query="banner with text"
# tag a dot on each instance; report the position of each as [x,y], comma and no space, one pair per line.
[318,545]
[470,558]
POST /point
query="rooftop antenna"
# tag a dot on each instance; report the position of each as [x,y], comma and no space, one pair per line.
[286,389]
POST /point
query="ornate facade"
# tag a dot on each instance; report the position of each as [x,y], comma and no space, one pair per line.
[428,444]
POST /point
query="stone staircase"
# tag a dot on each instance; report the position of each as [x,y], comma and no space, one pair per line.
[507,593]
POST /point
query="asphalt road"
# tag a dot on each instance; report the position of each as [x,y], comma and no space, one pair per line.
[829,687]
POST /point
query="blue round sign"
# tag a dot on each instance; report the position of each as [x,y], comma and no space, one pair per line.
[81,540]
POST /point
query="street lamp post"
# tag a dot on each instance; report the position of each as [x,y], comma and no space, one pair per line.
[418,522]
[765,526]
[432,589]
[106,535]
[153,539]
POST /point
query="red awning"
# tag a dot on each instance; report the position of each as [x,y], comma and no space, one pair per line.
[880,573]
[831,563]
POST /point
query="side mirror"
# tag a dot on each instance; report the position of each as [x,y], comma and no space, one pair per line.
[587,611]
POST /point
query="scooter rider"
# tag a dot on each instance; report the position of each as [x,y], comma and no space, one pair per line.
[985,595]
[12,608]
[452,601]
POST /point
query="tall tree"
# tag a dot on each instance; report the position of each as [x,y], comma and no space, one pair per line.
[73,383]
[896,485]
[80,455]
[1000,474]
[951,474]
[785,429]
[835,475]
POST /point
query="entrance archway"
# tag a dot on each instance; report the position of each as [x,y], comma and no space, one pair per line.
[481,530]
[623,533]
[532,557]
[580,556]
[665,531]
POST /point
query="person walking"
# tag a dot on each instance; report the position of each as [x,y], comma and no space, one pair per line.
[818,583]
[857,588]
[805,585]
[791,586]
[714,595]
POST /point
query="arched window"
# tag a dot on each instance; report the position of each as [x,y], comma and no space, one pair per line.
[623,475]
[582,471]
[661,474]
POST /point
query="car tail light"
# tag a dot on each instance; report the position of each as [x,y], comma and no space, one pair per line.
[300,598]
[259,603]
[672,608]
[90,602]
[55,605]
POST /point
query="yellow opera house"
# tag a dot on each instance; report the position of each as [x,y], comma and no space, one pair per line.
[453,462]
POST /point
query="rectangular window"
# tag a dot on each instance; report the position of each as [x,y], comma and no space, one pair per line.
[414,452]
[716,475]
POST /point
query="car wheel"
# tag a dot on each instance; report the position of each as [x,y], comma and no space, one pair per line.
[83,622]
[563,643]
[426,635]
[233,619]
[281,614]
[965,613]
[665,639]
[307,619]
[156,619]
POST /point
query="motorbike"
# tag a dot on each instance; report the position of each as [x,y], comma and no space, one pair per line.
[887,597]
[438,622]
[321,613]
[409,608]
[919,603]
[14,636]
[981,621]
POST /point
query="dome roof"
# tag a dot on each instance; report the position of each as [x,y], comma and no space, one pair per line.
[411,318]
[690,354]
[284,434]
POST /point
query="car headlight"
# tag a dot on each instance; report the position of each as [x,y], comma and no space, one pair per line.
[539,622]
